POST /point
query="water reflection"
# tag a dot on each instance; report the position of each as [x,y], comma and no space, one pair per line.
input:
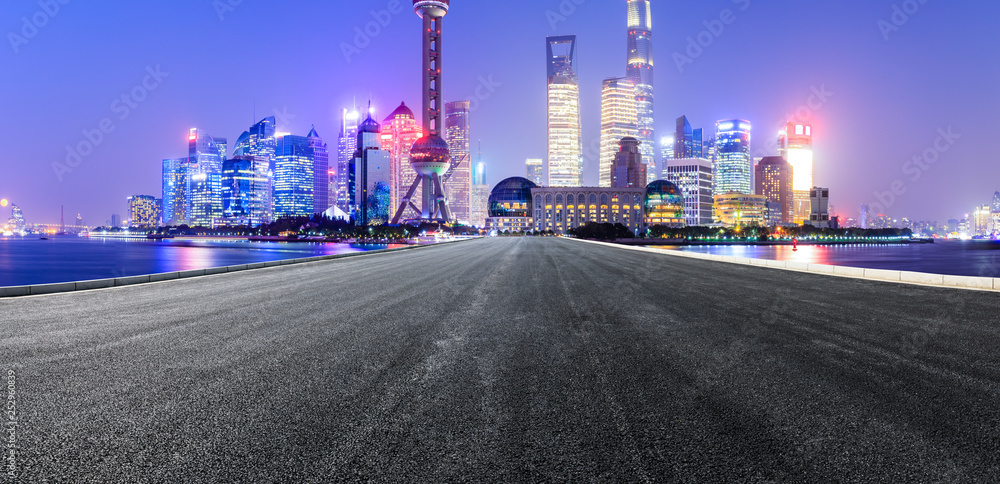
[60,259]
[942,257]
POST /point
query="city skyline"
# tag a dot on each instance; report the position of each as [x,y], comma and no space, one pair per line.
[874,99]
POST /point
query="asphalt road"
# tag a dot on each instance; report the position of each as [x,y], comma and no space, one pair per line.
[506,360]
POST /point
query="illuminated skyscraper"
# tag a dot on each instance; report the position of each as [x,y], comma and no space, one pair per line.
[347,143]
[795,143]
[321,175]
[293,177]
[370,184]
[733,163]
[175,185]
[458,179]
[399,131]
[258,141]
[640,71]
[618,121]
[246,191]
[535,171]
[773,179]
[256,145]
[667,146]
[690,143]
[143,211]
[694,177]
[480,194]
[628,169]
[564,133]
[204,187]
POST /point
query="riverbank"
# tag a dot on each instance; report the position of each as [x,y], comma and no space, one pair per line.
[725,242]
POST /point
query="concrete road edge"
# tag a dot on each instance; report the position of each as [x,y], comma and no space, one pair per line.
[62,287]
[882,275]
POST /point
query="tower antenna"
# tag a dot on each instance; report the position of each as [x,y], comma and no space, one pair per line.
[430,156]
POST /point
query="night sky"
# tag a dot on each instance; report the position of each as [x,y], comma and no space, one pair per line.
[221,67]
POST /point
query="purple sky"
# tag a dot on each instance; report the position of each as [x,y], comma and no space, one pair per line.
[938,69]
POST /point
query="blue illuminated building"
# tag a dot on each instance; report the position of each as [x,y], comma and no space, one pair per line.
[733,163]
[293,177]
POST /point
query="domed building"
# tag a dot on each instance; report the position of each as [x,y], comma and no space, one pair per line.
[517,204]
[510,205]
[664,204]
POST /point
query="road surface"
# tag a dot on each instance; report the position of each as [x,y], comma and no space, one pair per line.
[505,360]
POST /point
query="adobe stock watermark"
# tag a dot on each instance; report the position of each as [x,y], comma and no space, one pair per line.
[123,107]
[714,29]
[900,16]
[918,340]
[10,426]
[31,26]
[818,98]
[487,86]
[223,7]
[365,35]
[915,169]
[563,12]
[283,118]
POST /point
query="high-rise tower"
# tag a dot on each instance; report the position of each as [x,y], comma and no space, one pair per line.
[204,187]
[370,177]
[618,117]
[293,177]
[640,71]
[347,143]
[565,136]
[399,131]
[733,163]
[458,180]
[321,173]
[795,144]
[773,179]
[628,170]
[256,146]
[430,156]
[480,193]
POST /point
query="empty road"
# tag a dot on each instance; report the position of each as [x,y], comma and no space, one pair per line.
[505,360]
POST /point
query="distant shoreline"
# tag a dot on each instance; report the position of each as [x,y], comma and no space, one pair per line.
[687,243]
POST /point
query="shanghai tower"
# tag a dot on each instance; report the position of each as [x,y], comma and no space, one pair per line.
[640,72]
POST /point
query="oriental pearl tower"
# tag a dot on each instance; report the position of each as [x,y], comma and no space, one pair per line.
[429,156]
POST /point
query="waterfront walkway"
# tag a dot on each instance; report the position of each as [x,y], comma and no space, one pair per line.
[506,359]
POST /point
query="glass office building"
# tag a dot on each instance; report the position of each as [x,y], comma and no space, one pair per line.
[733,162]
[246,191]
[640,71]
[618,121]
[458,178]
[204,188]
[564,130]
[174,185]
[293,177]
[321,175]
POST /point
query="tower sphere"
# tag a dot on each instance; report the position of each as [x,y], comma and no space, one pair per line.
[434,8]
[430,155]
